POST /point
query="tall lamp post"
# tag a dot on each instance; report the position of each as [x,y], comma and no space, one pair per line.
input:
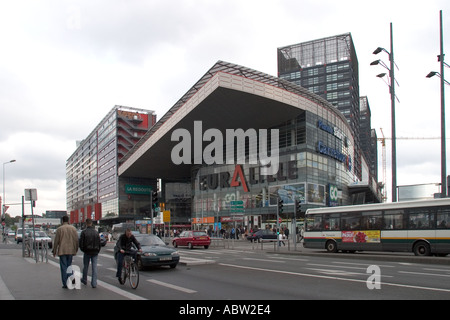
[443,82]
[393,97]
[4,202]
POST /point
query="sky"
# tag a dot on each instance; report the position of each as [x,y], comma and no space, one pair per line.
[64,64]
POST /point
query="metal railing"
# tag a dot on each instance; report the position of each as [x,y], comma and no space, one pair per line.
[37,249]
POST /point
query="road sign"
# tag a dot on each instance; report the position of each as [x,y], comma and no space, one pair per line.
[30,194]
[166,216]
[237,206]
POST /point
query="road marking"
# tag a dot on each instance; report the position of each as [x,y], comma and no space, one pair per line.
[265,260]
[171,286]
[332,278]
[336,272]
[426,274]
[108,286]
[194,261]
[5,294]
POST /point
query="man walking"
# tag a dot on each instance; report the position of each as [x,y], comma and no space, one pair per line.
[90,245]
[65,246]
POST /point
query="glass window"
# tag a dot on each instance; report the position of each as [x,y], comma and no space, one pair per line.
[314,223]
[443,218]
[350,221]
[393,220]
[421,218]
[331,222]
[372,220]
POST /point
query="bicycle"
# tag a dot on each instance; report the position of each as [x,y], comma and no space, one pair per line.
[130,269]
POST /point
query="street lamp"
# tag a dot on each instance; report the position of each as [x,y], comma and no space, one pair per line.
[393,97]
[4,202]
[443,82]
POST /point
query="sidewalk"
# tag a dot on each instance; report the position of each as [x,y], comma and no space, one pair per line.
[24,279]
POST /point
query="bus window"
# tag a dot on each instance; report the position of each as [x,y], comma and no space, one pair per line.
[393,221]
[314,223]
[371,220]
[350,221]
[443,218]
[421,219]
[331,222]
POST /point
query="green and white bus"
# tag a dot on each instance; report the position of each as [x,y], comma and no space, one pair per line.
[422,227]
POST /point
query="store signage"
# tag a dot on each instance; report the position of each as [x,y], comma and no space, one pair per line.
[136,189]
[335,154]
[335,131]
[256,175]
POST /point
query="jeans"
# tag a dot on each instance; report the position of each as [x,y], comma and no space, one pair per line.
[120,257]
[64,262]
[86,259]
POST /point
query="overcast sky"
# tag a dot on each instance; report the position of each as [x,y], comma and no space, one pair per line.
[64,64]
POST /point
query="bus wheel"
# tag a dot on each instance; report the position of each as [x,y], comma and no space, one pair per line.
[331,246]
[422,248]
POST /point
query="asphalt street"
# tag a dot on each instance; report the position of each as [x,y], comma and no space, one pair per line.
[239,271]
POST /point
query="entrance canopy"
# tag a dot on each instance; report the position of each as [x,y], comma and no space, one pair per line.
[228,96]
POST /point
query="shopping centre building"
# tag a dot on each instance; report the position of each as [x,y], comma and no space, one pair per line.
[237,141]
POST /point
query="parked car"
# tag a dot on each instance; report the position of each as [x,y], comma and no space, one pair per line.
[40,236]
[19,234]
[155,252]
[262,235]
[103,239]
[192,239]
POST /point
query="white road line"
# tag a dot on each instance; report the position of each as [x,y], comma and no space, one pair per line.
[5,294]
[265,260]
[172,286]
[332,278]
[426,274]
[108,286]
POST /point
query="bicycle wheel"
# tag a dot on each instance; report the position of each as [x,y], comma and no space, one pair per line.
[134,275]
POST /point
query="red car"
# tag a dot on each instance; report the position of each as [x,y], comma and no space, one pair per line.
[192,239]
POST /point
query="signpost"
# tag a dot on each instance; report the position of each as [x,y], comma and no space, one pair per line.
[31,195]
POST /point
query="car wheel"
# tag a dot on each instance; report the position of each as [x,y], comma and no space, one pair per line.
[172,266]
[206,247]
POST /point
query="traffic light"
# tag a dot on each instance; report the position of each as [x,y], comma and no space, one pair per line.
[280,205]
[298,208]
[154,198]
[154,203]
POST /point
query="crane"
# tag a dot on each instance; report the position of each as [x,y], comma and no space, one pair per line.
[383,155]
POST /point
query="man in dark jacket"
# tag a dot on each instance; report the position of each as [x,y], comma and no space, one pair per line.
[90,245]
[124,245]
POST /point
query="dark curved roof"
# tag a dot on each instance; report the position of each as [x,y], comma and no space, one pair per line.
[222,107]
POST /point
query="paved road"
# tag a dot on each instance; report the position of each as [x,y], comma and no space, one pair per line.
[239,272]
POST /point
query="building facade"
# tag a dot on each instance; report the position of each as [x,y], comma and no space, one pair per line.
[327,67]
[92,182]
[310,139]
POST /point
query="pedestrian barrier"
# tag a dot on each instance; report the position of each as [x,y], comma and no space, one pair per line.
[37,250]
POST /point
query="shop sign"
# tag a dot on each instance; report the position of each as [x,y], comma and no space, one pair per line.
[136,189]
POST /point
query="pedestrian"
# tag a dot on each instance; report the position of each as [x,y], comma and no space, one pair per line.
[90,245]
[65,246]
[281,239]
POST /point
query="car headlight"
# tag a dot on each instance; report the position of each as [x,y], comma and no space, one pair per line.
[149,254]
[175,253]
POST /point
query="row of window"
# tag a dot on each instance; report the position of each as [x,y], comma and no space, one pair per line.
[378,220]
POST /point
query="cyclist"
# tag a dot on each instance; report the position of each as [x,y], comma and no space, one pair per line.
[124,244]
